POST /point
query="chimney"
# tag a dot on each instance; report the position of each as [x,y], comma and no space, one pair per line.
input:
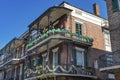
[96,9]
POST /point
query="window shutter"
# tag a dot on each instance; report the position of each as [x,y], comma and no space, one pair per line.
[28,64]
[59,57]
[51,58]
[85,59]
[40,60]
[74,56]
[32,63]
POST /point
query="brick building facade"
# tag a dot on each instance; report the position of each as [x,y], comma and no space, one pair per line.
[63,43]
[111,62]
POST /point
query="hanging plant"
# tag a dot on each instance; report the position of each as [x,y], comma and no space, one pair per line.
[39,69]
[29,71]
[53,31]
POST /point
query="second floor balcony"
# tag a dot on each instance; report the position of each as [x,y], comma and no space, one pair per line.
[10,59]
[110,62]
[60,33]
[59,70]
[63,59]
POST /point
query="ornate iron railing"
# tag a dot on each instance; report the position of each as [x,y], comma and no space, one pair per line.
[63,31]
[9,58]
[109,59]
[63,69]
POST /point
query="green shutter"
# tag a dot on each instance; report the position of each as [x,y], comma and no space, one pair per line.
[51,58]
[85,59]
[59,57]
[74,56]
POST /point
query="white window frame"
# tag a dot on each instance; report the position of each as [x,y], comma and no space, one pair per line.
[44,59]
[108,42]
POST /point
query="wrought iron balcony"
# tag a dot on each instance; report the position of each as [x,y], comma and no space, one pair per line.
[69,70]
[11,59]
[110,59]
[62,32]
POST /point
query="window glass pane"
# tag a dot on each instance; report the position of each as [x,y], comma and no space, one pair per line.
[111,76]
[78,28]
[79,58]
[96,64]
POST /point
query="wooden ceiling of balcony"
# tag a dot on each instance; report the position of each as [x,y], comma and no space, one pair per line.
[54,13]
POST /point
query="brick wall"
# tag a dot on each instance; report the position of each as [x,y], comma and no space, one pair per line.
[88,29]
[114,25]
[94,31]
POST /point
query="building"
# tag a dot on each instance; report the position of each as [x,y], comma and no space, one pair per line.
[110,63]
[63,43]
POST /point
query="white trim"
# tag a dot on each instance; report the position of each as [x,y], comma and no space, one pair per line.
[80,49]
[85,15]
[78,21]
[45,54]
[55,50]
[16,59]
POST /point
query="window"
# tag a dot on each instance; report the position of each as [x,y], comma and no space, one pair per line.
[107,40]
[78,28]
[96,64]
[34,34]
[38,61]
[45,59]
[111,76]
[78,57]
[56,57]
[116,5]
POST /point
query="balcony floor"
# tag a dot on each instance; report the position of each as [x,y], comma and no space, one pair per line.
[111,69]
[62,74]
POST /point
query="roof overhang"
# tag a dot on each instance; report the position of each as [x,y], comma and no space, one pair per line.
[54,12]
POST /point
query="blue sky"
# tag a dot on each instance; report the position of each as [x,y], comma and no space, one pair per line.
[16,15]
